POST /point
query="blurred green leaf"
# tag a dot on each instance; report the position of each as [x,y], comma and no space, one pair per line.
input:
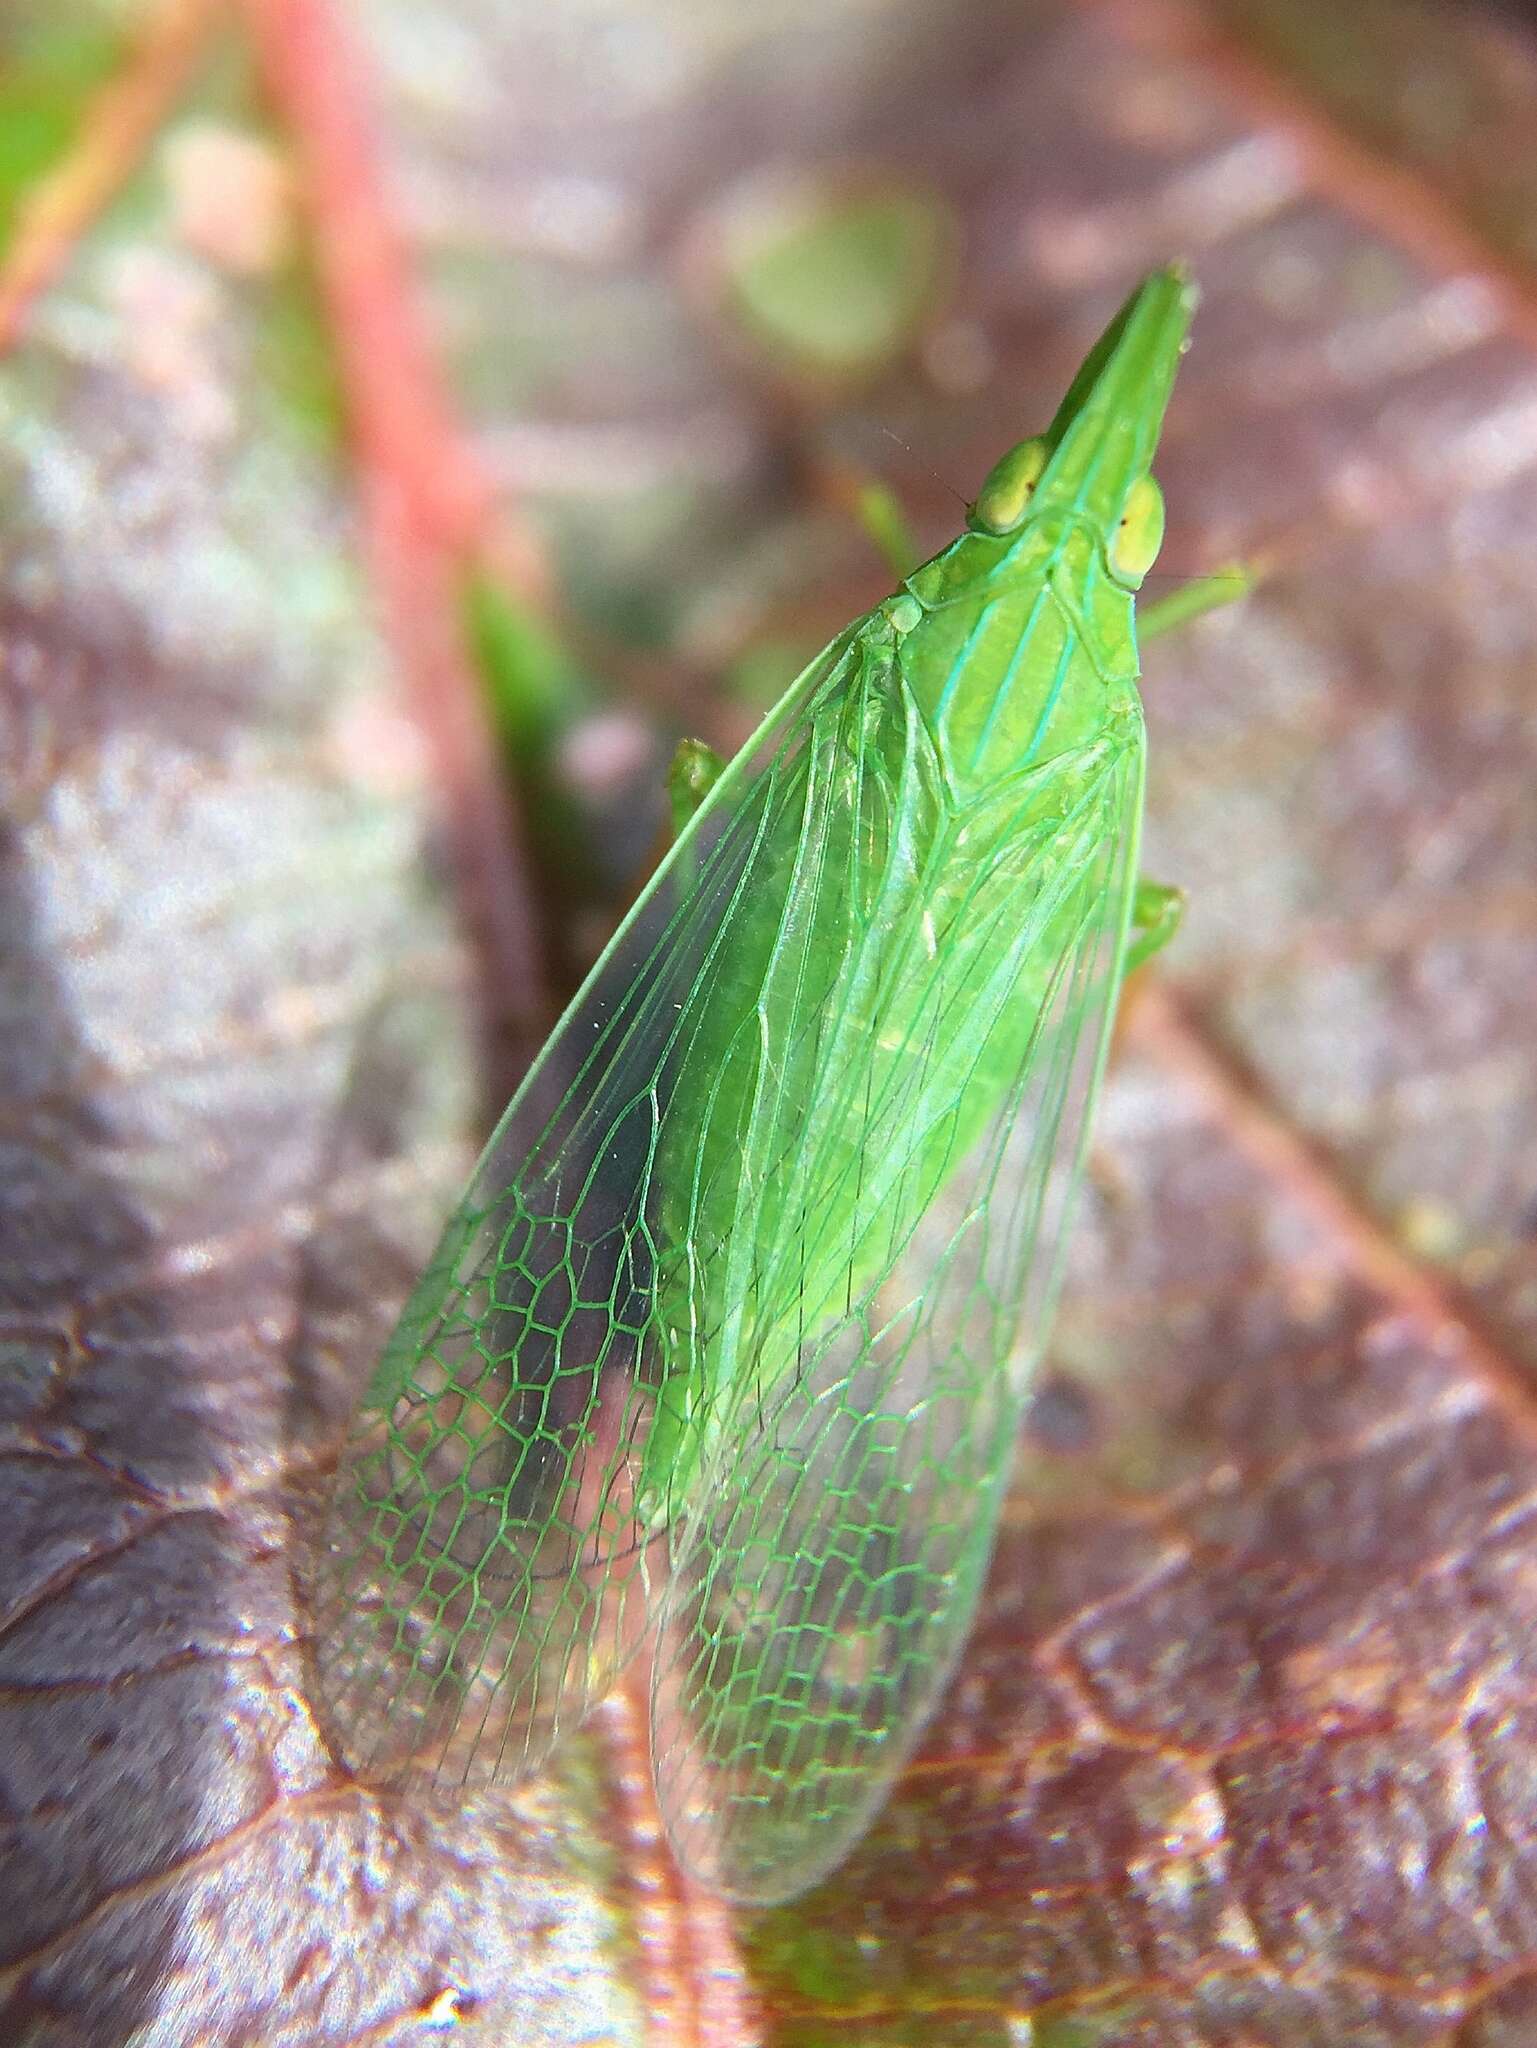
[835,283]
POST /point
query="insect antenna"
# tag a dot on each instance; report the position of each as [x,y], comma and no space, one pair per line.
[943,481]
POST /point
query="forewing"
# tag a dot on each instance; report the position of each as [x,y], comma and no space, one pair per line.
[822,1595]
[483,1572]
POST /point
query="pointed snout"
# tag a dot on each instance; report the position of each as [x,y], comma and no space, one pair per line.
[1106,429]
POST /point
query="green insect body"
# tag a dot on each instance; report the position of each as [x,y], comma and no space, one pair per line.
[726,1347]
[920,964]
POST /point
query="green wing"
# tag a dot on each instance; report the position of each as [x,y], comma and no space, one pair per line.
[821,1594]
[724,1343]
[483,1571]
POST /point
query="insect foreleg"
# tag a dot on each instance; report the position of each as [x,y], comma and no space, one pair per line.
[882,517]
[1205,594]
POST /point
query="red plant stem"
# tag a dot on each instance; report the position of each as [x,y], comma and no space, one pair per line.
[428,507]
[691,1974]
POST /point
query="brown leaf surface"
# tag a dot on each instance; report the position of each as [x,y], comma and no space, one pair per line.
[1241,1752]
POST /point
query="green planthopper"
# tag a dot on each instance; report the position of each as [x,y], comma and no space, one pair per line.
[723,1354]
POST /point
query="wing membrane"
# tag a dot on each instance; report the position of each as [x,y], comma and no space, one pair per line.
[485,1569]
[820,1595]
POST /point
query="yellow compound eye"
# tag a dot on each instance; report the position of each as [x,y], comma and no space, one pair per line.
[1002,499]
[1136,541]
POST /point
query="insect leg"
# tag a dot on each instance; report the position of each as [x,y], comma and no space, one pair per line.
[1156,911]
[1205,594]
[885,522]
[691,775]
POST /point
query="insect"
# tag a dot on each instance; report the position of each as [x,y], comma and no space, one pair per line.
[724,1351]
